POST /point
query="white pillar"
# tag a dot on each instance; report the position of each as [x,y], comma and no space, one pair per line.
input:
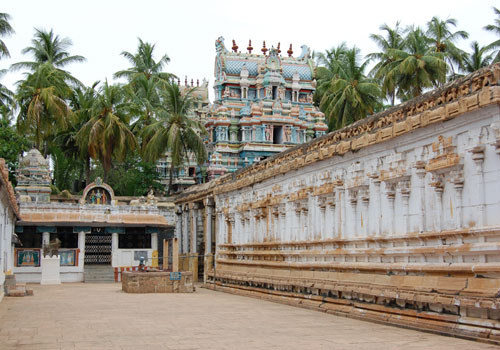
[114,249]
[81,246]
[45,238]
[154,241]
[420,171]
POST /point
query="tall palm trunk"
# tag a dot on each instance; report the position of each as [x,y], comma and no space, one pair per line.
[87,170]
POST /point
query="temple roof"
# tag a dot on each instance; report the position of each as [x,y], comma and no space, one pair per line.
[4,182]
[90,219]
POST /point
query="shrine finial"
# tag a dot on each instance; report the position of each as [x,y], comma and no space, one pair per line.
[264,50]
[249,48]
[235,47]
[290,51]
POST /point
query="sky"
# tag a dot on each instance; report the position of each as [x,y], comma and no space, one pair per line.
[186,30]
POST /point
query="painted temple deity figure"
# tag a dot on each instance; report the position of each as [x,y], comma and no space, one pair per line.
[151,197]
[288,134]
[268,132]
[97,193]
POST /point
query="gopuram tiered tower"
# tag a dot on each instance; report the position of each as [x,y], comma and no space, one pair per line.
[263,105]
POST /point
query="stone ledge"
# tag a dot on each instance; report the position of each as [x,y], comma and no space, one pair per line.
[156,282]
[450,325]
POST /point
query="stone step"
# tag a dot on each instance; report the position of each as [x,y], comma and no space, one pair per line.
[98,274]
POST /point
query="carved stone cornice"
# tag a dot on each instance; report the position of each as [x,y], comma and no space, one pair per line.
[452,100]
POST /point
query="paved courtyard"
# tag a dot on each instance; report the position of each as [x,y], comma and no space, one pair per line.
[101,316]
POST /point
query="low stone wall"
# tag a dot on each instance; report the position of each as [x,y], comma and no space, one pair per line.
[156,282]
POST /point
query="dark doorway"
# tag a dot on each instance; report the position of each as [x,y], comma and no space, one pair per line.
[278,135]
[97,247]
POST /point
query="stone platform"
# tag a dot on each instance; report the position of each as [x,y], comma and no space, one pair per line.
[156,282]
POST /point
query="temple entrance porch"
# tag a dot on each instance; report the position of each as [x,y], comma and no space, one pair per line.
[97,247]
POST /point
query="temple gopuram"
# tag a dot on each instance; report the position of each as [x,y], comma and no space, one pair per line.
[263,106]
[96,232]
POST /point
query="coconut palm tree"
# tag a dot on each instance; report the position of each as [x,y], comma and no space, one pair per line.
[416,67]
[349,95]
[442,39]
[42,104]
[145,101]
[477,59]
[107,134]
[48,48]
[175,132]
[6,96]
[329,64]
[81,101]
[393,40]
[144,64]
[495,28]
[5,29]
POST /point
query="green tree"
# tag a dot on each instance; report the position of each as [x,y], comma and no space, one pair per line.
[132,177]
[442,39]
[393,40]
[48,48]
[43,110]
[145,102]
[416,67]
[495,29]
[11,145]
[348,95]
[175,131]
[107,134]
[144,64]
[5,29]
[82,102]
[477,59]
[6,96]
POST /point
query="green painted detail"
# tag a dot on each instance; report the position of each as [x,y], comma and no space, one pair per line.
[114,230]
[41,229]
[19,229]
[85,229]
[152,229]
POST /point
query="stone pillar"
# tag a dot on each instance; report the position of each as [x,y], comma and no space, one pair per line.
[405,196]
[208,229]
[185,230]
[114,249]
[375,206]
[81,246]
[208,259]
[478,158]
[178,222]
[391,196]
[365,216]
[340,211]
[439,188]
[165,254]
[175,254]
[154,241]
[194,228]
[458,183]
[420,172]
[45,239]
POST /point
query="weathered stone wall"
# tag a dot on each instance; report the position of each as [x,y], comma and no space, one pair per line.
[156,282]
[393,219]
